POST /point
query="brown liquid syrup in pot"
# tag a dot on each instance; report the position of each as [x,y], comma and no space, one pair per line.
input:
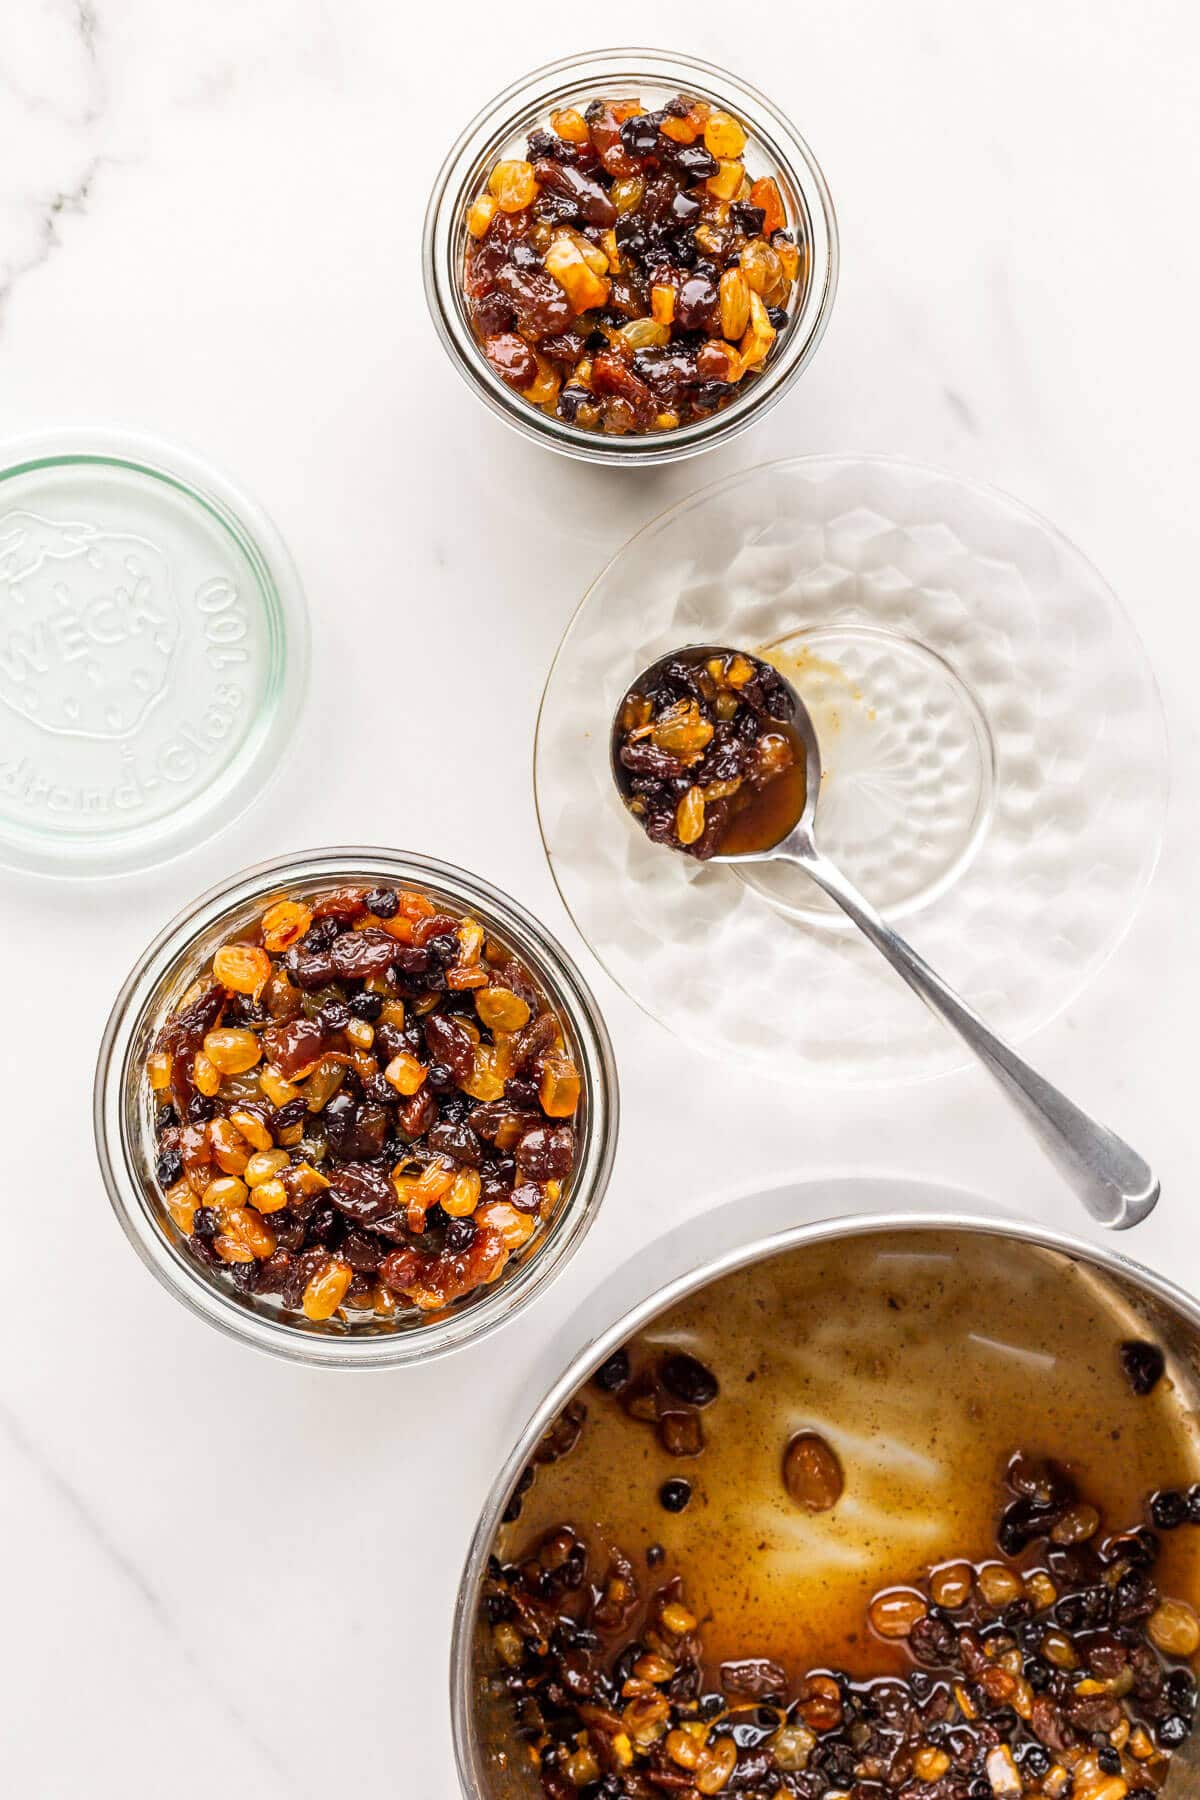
[925,1361]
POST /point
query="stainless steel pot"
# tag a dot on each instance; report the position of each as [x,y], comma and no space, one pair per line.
[743,1232]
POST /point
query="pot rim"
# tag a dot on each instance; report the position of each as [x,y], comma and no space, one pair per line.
[954,1217]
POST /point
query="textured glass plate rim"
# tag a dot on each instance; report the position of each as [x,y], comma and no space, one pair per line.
[136,848]
[802,1069]
[935,1207]
[440,264]
[212,1303]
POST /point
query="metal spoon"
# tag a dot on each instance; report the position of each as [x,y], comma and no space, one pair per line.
[1115,1185]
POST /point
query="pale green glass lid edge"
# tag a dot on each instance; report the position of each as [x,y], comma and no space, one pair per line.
[213,807]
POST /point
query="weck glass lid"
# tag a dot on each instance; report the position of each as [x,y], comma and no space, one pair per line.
[153,651]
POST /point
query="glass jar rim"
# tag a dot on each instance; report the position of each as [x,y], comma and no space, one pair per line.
[223,1308]
[535,92]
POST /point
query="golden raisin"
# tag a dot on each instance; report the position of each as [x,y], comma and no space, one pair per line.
[205,1075]
[735,304]
[951,1587]
[1174,1628]
[226,1190]
[812,1473]
[1076,1525]
[251,1128]
[514,185]
[327,1289]
[181,1203]
[999,1586]
[626,195]
[158,1070]
[689,816]
[270,1196]
[463,1195]
[515,1227]
[718,1765]
[569,125]
[228,1146]
[284,924]
[760,334]
[242,968]
[894,1613]
[501,1009]
[265,1165]
[244,1224]
[232,1050]
[480,214]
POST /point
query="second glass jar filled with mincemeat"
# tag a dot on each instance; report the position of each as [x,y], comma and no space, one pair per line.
[630,275]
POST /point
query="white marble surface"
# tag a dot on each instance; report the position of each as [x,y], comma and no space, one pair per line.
[224,1574]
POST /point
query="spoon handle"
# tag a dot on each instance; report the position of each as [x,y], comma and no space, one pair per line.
[1115,1185]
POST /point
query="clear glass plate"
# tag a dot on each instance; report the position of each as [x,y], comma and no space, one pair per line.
[994,750]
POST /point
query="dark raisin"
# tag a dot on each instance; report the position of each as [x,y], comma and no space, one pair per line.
[779,317]
[333,1016]
[1144,1365]
[639,135]
[613,1372]
[674,1495]
[688,1379]
[1168,1510]
[319,936]
[747,218]
[200,1109]
[164,1117]
[697,163]
[460,1234]
[366,1006]
[169,1167]
[206,1223]
[1173,1731]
